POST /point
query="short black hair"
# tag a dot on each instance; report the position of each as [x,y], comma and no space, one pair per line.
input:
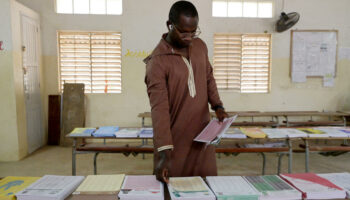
[182,8]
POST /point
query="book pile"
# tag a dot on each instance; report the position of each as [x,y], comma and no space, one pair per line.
[189,188]
[127,133]
[340,179]
[232,187]
[99,187]
[51,187]
[106,131]
[314,187]
[273,187]
[10,185]
[82,132]
[146,133]
[254,132]
[234,133]
[141,188]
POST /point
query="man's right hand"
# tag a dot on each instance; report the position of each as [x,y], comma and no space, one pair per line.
[162,168]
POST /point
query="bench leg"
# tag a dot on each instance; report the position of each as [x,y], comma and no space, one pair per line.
[264,163]
[74,157]
[95,163]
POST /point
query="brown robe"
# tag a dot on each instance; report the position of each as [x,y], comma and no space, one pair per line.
[177,117]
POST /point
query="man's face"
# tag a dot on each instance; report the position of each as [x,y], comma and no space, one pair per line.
[183,32]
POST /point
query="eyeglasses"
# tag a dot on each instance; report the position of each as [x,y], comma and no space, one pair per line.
[194,34]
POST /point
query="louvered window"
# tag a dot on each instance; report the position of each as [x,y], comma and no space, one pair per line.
[92,58]
[242,62]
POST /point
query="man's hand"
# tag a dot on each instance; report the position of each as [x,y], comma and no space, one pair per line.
[221,114]
[162,168]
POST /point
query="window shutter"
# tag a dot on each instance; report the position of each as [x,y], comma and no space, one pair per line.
[242,62]
[92,58]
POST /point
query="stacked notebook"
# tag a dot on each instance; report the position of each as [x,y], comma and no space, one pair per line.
[189,188]
[146,133]
[340,179]
[314,133]
[127,133]
[213,132]
[106,131]
[275,133]
[99,187]
[141,188]
[273,187]
[234,133]
[232,187]
[314,187]
[82,132]
[254,132]
[293,133]
[51,187]
[10,185]
[334,132]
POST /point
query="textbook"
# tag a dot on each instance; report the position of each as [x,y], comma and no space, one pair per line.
[127,133]
[294,133]
[106,131]
[234,133]
[146,133]
[141,188]
[340,179]
[51,187]
[10,185]
[189,188]
[333,132]
[314,187]
[314,132]
[273,187]
[213,132]
[253,132]
[275,133]
[232,187]
[82,132]
[99,186]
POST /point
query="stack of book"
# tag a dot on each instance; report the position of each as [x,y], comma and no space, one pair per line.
[232,187]
[333,132]
[99,187]
[189,188]
[314,133]
[273,187]
[82,132]
[141,188]
[51,187]
[146,133]
[314,187]
[106,131]
[127,133]
[254,132]
[340,179]
[10,185]
[234,133]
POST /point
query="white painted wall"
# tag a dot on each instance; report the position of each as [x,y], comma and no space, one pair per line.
[143,22]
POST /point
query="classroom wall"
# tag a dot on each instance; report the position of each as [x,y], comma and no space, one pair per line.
[142,24]
[8,122]
[13,133]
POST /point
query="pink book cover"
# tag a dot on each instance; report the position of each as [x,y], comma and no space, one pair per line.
[312,178]
[147,182]
[214,129]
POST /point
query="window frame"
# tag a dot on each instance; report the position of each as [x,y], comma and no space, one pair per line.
[60,86]
[242,16]
[106,13]
[239,91]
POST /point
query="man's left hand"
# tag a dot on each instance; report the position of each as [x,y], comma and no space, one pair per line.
[221,114]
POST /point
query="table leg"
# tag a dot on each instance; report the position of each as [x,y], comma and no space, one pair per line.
[306,155]
[264,163]
[279,163]
[74,156]
[290,156]
[95,163]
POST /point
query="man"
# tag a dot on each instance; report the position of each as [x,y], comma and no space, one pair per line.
[180,84]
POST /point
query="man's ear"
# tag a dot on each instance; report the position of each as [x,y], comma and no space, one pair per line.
[169,25]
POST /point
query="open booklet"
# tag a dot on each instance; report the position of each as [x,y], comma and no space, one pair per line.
[213,132]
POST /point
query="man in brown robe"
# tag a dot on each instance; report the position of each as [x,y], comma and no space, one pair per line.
[180,84]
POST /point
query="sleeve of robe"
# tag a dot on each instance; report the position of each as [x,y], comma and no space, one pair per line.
[213,94]
[156,81]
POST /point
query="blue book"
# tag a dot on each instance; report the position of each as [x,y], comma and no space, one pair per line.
[82,132]
[106,131]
